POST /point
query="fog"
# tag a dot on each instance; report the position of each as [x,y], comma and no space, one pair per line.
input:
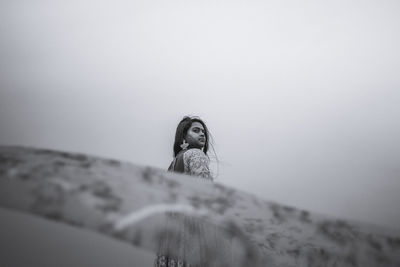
[302,98]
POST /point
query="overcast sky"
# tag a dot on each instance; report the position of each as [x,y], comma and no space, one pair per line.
[302,97]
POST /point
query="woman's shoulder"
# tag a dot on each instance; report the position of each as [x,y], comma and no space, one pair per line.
[194,152]
[196,163]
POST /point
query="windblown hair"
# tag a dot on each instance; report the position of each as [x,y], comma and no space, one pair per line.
[182,130]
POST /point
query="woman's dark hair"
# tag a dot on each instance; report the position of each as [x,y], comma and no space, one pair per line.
[182,129]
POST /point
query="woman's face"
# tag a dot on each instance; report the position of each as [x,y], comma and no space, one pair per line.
[196,135]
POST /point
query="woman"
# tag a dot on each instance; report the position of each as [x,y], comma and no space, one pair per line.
[190,157]
[190,148]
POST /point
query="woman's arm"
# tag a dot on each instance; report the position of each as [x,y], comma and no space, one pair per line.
[197,163]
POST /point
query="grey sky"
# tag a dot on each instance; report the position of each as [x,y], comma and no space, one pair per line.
[302,98]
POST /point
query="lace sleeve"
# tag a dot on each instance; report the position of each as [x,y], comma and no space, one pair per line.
[197,163]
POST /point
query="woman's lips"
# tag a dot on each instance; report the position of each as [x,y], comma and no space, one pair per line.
[202,139]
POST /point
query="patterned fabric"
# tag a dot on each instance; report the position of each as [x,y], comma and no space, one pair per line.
[165,261]
[194,239]
[196,163]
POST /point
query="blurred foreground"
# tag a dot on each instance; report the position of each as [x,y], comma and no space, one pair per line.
[142,205]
